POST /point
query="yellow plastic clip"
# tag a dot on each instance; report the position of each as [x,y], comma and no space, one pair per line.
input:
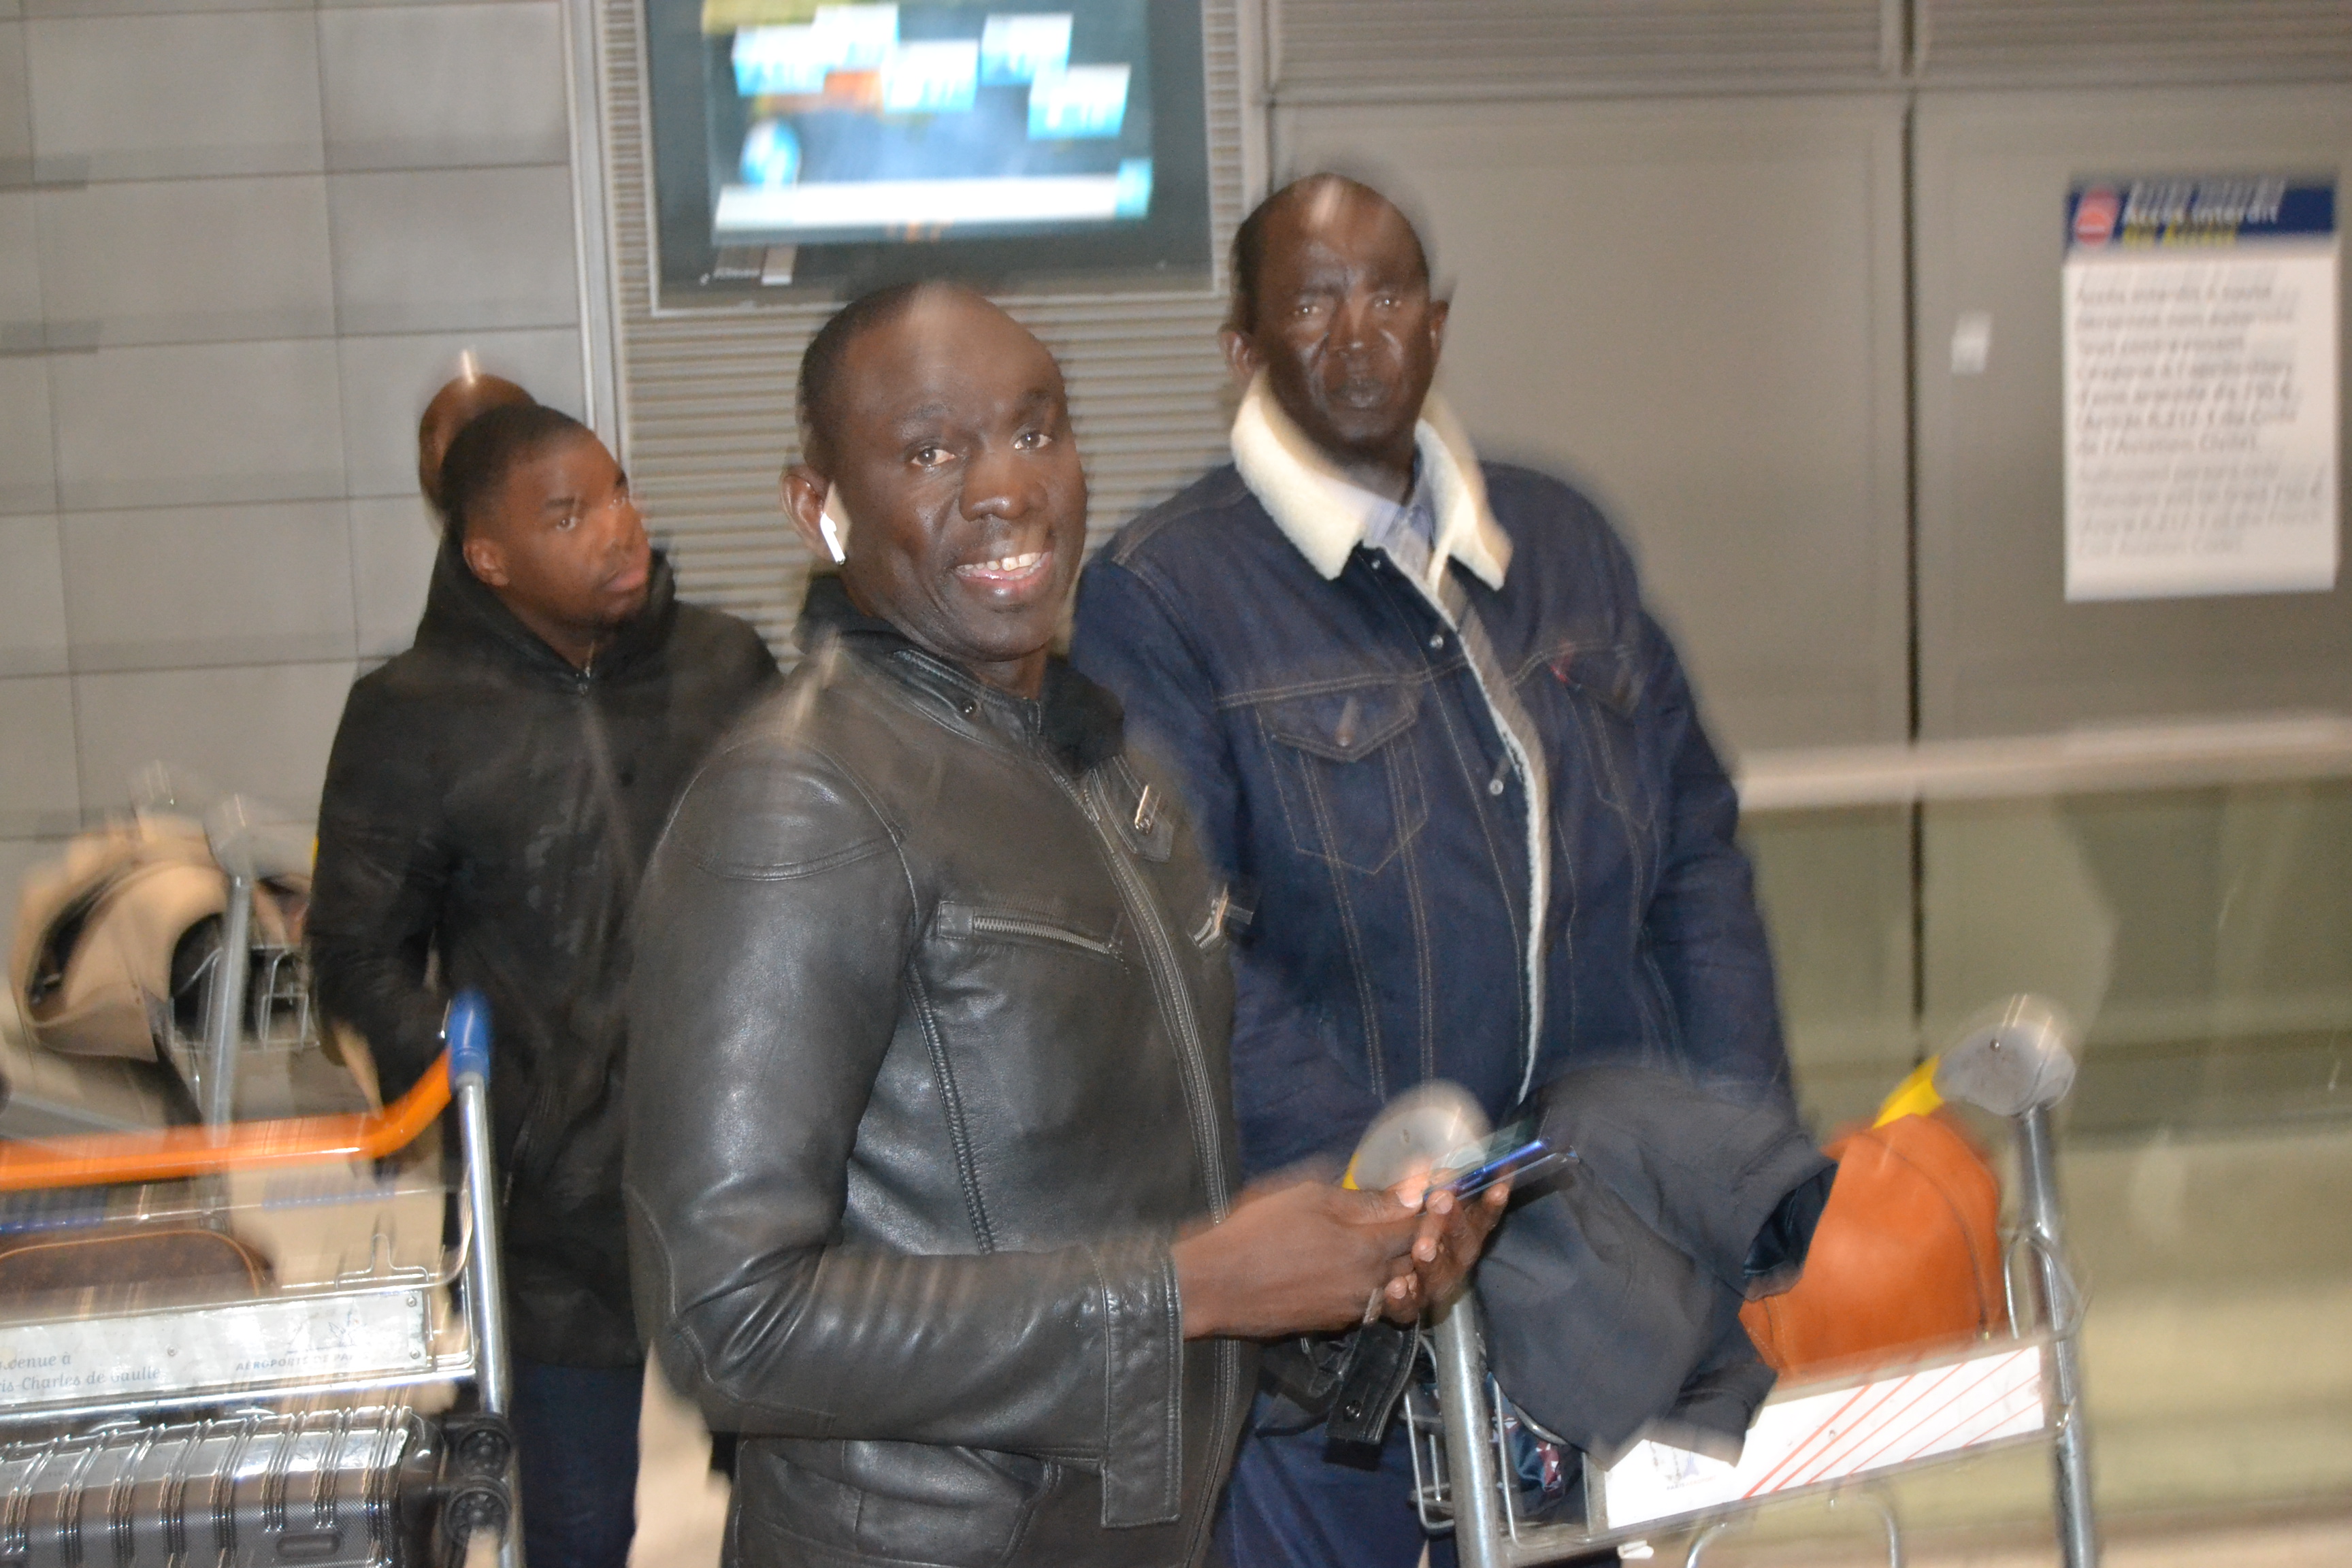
[1915,1096]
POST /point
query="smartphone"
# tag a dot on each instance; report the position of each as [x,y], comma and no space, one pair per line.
[1515,1153]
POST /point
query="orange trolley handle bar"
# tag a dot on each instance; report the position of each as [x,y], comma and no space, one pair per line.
[176,1151]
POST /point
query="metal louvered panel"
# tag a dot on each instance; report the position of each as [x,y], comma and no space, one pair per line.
[2138,40]
[708,398]
[1358,48]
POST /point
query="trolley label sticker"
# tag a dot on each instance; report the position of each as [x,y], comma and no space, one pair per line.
[2201,386]
[158,1355]
[1820,1437]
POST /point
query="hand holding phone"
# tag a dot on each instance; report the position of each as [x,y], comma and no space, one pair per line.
[1515,1153]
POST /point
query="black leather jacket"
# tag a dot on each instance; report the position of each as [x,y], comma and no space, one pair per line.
[928,1034]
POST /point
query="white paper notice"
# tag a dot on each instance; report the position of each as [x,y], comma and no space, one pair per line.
[2200,344]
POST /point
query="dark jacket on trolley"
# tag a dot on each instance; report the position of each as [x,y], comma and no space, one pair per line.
[929,1022]
[488,813]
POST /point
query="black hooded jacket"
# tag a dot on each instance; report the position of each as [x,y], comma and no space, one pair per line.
[488,813]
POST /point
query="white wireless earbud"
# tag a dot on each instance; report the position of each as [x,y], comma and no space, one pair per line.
[834,524]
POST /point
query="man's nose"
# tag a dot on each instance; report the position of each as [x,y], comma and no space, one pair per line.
[624,525]
[1001,482]
[1352,324]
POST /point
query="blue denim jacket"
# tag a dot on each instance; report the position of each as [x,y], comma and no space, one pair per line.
[1345,772]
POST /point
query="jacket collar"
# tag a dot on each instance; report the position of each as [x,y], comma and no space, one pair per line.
[1311,501]
[462,614]
[1081,721]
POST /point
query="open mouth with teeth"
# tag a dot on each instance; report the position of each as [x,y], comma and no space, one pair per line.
[1009,572]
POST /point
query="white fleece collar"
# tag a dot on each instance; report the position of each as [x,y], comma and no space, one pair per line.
[1311,500]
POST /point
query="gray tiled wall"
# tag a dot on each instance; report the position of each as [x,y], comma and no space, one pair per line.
[240,243]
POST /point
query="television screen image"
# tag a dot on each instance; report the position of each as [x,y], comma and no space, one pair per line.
[860,142]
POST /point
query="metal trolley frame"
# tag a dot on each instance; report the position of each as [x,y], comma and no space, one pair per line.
[1827,1438]
[66,1379]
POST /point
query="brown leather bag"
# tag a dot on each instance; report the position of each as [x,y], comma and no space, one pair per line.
[1907,1258]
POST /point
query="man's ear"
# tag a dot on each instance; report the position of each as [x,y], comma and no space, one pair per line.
[485,560]
[1241,354]
[1438,312]
[803,494]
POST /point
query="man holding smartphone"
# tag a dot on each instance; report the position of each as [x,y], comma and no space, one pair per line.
[1427,728]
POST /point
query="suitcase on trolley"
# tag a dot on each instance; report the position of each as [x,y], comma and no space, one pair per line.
[334,1488]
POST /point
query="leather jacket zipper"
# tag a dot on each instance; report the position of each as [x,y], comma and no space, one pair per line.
[1176,1000]
[1014,925]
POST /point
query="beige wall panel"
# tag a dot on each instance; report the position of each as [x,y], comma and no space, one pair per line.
[2000,651]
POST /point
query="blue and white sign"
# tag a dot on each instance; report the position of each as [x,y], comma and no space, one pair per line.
[772,154]
[1015,49]
[780,60]
[2201,386]
[796,59]
[1132,194]
[857,37]
[1081,101]
[941,77]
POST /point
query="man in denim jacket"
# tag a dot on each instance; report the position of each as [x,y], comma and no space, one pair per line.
[1439,748]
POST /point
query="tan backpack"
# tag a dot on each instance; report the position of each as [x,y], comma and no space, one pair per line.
[99,930]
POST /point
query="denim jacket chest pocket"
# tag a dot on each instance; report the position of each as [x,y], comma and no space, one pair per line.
[1598,692]
[1347,768]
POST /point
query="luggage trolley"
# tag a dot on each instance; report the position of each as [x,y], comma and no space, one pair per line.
[1817,1438]
[288,1424]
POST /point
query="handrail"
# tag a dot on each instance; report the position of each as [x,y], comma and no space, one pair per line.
[2275,748]
[172,1152]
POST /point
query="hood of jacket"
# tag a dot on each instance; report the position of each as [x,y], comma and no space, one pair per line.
[462,612]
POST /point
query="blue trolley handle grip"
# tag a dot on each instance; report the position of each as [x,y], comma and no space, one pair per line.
[467,1031]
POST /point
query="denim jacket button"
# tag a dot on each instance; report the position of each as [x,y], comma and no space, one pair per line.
[1437,640]
[1495,784]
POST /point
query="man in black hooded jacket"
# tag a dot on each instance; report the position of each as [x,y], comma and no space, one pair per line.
[491,799]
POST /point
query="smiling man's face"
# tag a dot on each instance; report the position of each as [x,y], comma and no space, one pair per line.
[951,446]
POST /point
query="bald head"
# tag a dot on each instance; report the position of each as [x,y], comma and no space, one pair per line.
[454,407]
[819,394]
[939,426]
[1305,205]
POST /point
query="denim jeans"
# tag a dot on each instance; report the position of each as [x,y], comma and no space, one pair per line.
[1289,1507]
[576,1441]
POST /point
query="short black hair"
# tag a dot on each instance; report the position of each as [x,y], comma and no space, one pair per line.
[814,401]
[486,450]
[1249,240]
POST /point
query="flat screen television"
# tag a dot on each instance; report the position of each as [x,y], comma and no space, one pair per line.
[804,149]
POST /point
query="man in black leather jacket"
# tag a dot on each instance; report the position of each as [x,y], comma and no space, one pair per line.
[489,802]
[929,1101]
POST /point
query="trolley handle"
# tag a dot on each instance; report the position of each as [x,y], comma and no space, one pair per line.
[467,1031]
[106,1158]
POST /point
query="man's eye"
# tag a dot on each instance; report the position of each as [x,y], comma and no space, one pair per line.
[929,455]
[1031,440]
[569,522]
